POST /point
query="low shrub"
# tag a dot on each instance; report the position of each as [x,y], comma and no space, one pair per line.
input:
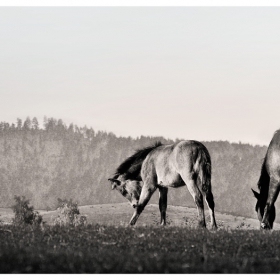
[25,214]
[69,214]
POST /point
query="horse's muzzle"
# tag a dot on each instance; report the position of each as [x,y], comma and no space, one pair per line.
[264,226]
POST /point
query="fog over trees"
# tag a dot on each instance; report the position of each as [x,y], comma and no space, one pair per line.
[71,162]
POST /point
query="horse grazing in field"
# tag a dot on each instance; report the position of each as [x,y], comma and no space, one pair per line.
[269,184]
[162,167]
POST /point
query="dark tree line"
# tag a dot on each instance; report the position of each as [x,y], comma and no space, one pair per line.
[67,161]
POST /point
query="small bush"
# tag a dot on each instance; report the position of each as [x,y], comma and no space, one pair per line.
[69,214]
[25,214]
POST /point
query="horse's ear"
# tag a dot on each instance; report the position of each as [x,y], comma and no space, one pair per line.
[256,194]
[118,182]
[114,180]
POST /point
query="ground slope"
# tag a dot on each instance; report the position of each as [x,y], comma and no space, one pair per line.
[119,214]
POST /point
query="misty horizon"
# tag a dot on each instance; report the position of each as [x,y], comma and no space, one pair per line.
[205,73]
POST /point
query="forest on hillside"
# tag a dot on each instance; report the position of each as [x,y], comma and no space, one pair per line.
[70,162]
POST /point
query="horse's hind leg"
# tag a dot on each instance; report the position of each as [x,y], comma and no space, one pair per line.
[210,202]
[162,204]
[146,193]
[198,199]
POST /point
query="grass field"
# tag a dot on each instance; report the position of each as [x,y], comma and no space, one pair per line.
[111,249]
[108,245]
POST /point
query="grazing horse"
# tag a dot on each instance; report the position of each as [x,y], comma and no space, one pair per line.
[162,167]
[269,184]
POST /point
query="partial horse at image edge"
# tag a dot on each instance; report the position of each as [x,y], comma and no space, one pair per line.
[269,184]
[167,166]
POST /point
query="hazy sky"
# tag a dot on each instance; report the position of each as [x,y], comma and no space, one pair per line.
[204,73]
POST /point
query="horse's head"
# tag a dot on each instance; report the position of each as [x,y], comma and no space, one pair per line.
[130,189]
[262,208]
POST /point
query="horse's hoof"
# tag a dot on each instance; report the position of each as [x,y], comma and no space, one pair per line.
[213,226]
[201,226]
[132,222]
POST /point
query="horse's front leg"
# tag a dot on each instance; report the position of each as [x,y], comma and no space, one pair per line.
[269,211]
[162,204]
[146,193]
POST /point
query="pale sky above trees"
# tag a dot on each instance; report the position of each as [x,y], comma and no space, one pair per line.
[204,73]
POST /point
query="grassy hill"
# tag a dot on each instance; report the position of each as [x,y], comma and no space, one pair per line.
[119,214]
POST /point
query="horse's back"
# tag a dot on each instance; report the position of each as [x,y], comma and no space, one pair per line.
[167,162]
[179,153]
[272,159]
[189,148]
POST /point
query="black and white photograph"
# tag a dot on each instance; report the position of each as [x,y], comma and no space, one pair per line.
[139,138]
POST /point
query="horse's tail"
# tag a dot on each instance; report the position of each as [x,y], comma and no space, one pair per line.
[204,170]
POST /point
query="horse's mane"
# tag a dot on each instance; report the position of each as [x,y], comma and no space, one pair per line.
[263,183]
[131,167]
